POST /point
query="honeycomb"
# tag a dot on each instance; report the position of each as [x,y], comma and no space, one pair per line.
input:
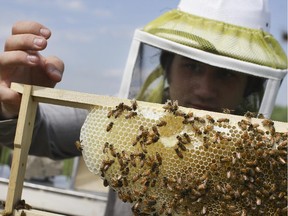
[170,160]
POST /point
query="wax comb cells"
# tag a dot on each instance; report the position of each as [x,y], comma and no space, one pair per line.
[169,160]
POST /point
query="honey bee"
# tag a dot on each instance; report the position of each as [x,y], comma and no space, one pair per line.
[242,125]
[227,111]
[223,120]
[200,120]
[126,197]
[251,163]
[181,146]
[105,183]
[135,142]
[146,172]
[159,158]
[179,138]
[106,147]
[213,166]
[110,113]
[258,201]
[204,210]
[227,197]
[125,182]
[106,164]
[258,170]
[210,119]
[143,133]
[228,187]
[225,159]
[162,208]
[143,146]
[245,193]
[120,106]
[153,182]
[125,172]
[202,186]
[125,155]
[208,128]
[171,106]
[152,197]
[120,160]
[167,185]
[178,152]
[151,202]
[155,138]
[259,131]
[162,123]
[243,212]
[281,160]
[116,183]
[134,105]
[168,105]
[188,120]
[204,177]
[188,211]
[282,145]
[231,208]
[79,145]
[117,113]
[281,195]
[138,193]
[126,107]
[228,174]
[109,126]
[112,150]
[187,137]
[267,123]
[155,130]
[132,160]
[197,130]
[250,115]
[179,113]
[169,211]
[189,115]
[136,177]
[131,115]
[206,142]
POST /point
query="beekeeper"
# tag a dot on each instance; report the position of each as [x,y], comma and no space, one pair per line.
[207,54]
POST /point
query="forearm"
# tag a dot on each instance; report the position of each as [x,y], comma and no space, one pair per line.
[55,132]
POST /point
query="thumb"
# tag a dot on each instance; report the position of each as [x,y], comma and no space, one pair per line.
[54,68]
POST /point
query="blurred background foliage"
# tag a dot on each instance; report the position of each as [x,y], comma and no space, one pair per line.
[280,113]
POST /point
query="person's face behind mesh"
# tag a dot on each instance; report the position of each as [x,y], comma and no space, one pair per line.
[201,86]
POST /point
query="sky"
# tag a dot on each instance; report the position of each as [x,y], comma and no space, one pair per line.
[93,37]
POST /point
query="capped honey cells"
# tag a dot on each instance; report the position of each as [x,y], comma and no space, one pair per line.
[170,160]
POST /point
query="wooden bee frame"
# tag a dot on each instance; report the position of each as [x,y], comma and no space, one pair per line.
[31,96]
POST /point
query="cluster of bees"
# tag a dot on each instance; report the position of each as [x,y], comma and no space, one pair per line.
[21,204]
[186,164]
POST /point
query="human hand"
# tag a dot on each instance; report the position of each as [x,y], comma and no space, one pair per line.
[22,62]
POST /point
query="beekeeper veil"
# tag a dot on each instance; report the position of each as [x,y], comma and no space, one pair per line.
[228,34]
